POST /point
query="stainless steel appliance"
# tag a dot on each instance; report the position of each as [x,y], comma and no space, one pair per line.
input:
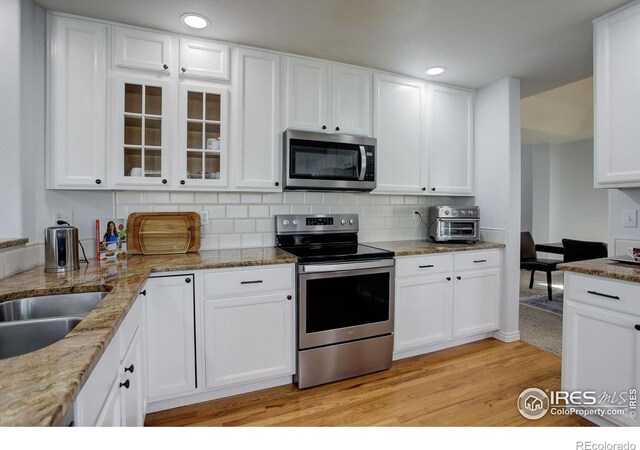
[451,224]
[322,161]
[61,249]
[345,298]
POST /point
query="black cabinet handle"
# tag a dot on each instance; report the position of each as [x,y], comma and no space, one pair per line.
[187,280]
[480,260]
[637,327]
[164,181]
[448,278]
[143,292]
[424,267]
[98,181]
[182,182]
[424,189]
[165,67]
[337,128]
[433,189]
[615,297]
[183,69]
[251,282]
[459,277]
[276,183]
[125,384]
[324,127]
[129,369]
[289,297]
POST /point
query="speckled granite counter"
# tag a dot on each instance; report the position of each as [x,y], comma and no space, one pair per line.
[605,268]
[409,248]
[39,388]
[12,242]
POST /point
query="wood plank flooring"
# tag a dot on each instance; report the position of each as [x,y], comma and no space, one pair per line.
[475,384]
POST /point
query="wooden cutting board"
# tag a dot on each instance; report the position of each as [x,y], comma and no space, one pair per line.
[163,233]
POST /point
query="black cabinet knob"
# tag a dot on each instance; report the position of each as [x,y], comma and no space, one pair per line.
[459,277]
[98,181]
[182,182]
[433,189]
[337,128]
[125,384]
[324,127]
[165,67]
[277,184]
[183,69]
[164,181]
[448,278]
[129,369]
[638,327]
[188,280]
[289,297]
[424,189]
[143,292]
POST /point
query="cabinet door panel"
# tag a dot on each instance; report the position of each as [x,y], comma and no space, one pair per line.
[204,59]
[398,127]
[257,124]
[600,352]
[423,311]
[170,336]
[144,50]
[617,99]
[78,104]
[111,413]
[248,339]
[450,135]
[476,301]
[132,370]
[307,89]
[351,101]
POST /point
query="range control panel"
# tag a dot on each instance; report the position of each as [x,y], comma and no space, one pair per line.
[319,223]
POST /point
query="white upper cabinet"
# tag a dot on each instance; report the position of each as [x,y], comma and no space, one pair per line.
[77,88]
[325,97]
[351,100]
[617,98]
[203,59]
[450,141]
[138,49]
[307,88]
[256,120]
[398,127]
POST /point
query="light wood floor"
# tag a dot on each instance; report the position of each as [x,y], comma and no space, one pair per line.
[471,385]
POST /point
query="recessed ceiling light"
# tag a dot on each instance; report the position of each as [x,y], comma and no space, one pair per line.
[437,70]
[194,20]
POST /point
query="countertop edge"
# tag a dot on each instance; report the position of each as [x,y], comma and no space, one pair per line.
[6,243]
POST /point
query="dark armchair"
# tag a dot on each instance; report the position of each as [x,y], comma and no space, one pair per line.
[530,261]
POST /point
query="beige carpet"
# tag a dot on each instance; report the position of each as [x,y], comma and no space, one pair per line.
[539,327]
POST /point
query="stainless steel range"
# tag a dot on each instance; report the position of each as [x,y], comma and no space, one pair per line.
[345,298]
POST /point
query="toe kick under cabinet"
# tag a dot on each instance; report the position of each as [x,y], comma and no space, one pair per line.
[444,300]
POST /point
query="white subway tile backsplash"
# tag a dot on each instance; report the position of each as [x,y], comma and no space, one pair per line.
[182,197]
[331,198]
[210,242]
[237,211]
[138,208]
[258,211]
[121,212]
[265,225]
[300,209]
[268,240]
[341,209]
[206,197]
[251,240]
[349,199]
[386,211]
[216,211]
[411,200]
[128,197]
[156,197]
[280,209]
[364,199]
[251,198]
[320,209]
[294,198]
[372,223]
[396,199]
[369,211]
[244,226]
[230,241]
[380,199]
[396,234]
[228,197]
[166,208]
[32,255]
[312,198]
[273,198]
[190,208]
[14,261]
[220,226]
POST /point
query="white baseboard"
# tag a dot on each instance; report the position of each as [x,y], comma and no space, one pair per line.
[440,346]
[511,336]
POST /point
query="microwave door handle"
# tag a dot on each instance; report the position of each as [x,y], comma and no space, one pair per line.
[363,163]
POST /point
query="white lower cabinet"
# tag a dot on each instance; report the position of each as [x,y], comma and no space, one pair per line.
[601,341]
[442,299]
[114,393]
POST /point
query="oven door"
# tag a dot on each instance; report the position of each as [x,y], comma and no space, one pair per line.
[458,230]
[345,302]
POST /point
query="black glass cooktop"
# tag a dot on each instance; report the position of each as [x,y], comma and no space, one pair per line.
[337,252]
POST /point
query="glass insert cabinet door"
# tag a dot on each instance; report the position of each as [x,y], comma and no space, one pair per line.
[139,117]
[202,142]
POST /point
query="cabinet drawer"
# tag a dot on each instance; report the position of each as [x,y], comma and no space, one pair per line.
[246,281]
[407,266]
[476,260]
[602,292]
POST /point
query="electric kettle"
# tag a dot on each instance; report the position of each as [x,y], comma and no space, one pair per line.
[61,249]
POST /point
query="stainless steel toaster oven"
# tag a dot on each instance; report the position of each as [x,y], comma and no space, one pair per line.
[451,224]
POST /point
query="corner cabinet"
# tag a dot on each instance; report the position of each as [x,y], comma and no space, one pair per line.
[77,104]
[617,98]
[450,141]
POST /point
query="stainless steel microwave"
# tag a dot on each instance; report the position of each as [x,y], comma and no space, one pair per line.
[322,161]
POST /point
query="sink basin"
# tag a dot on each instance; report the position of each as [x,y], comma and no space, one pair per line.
[20,337]
[64,305]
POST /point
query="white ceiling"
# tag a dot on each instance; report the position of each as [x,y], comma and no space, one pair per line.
[544,43]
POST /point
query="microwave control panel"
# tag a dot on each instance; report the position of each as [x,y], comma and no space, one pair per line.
[369,174]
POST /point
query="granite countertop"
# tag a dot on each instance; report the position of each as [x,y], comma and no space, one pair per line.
[409,248]
[604,267]
[12,242]
[39,388]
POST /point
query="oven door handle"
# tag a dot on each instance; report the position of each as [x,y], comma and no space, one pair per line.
[338,267]
[363,163]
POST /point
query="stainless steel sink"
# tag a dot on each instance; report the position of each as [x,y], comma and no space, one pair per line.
[64,305]
[20,337]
